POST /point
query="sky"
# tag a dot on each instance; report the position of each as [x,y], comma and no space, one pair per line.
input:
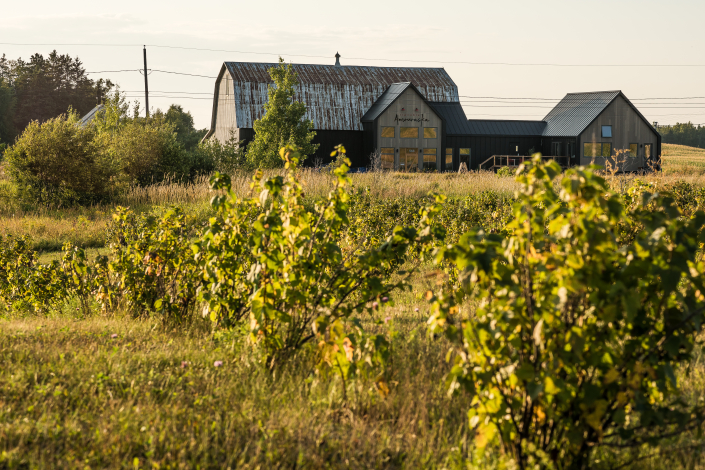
[650,50]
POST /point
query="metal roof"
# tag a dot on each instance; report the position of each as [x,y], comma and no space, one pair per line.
[505,127]
[335,97]
[384,101]
[454,117]
[458,124]
[576,111]
[90,115]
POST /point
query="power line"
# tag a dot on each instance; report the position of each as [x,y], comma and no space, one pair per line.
[510,64]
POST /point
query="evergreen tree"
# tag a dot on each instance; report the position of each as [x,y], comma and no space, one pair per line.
[45,88]
[7,109]
[283,122]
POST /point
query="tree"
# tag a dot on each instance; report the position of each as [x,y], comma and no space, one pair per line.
[57,162]
[47,87]
[182,121]
[283,123]
[7,110]
[584,311]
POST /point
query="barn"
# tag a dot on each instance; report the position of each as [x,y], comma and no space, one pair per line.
[412,117]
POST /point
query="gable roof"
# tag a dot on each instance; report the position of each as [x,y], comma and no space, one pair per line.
[388,97]
[576,111]
[335,97]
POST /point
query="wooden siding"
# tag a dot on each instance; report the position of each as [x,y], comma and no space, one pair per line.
[225,119]
[627,128]
[411,106]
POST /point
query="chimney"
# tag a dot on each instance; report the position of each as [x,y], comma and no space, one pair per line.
[337,60]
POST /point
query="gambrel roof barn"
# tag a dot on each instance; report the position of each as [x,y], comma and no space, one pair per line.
[413,114]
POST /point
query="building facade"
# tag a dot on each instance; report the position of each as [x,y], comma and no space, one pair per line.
[411,119]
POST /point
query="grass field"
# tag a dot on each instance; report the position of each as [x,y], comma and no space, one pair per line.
[110,391]
[679,159]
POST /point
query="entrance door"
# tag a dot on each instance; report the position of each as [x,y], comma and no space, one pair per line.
[513,148]
[408,159]
[556,151]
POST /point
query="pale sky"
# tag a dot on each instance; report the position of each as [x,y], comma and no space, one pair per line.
[434,33]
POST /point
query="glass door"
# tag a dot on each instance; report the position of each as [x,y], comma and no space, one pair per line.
[408,159]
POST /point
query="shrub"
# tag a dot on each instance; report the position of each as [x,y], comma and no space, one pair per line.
[155,270]
[57,162]
[576,336]
[287,272]
[144,152]
[212,155]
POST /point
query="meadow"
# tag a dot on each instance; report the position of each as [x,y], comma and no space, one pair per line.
[107,390]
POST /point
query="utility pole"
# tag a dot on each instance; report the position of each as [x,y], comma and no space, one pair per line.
[146,85]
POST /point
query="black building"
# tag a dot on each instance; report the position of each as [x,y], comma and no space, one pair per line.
[413,118]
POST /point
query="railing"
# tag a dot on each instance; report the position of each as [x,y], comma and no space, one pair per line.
[499,161]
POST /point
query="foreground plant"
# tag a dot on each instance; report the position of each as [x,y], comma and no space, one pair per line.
[576,337]
[271,262]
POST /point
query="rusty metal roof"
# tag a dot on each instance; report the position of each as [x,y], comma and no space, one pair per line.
[336,98]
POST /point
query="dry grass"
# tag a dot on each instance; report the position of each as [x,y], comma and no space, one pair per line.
[71,396]
[680,160]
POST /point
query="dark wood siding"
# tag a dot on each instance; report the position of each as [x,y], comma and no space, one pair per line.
[327,140]
[483,147]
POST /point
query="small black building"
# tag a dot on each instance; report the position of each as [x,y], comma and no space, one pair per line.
[413,118]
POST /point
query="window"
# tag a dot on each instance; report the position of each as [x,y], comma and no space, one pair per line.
[429,159]
[388,158]
[557,149]
[388,132]
[429,132]
[409,132]
[449,160]
[606,149]
[606,131]
[597,149]
[633,150]
[647,151]
[590,150]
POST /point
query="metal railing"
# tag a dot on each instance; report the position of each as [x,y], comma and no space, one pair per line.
[499,161]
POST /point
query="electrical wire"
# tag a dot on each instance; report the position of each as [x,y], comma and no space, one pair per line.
[510,64]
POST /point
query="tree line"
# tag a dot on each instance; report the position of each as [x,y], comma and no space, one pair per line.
[683,134]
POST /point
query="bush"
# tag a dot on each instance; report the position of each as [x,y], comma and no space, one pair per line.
[288,273]
[212,155]
[141,151]
[57,162]
[578,331]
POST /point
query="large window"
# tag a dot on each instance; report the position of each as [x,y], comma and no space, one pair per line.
[429,132]
[429,159]
[633,150]
[409,132]
[388,132]
[607,131]
[597,149]
[449,160]
[388,158]
[647,151]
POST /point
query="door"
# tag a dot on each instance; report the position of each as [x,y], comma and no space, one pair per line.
[408,159]
[556,150]
[464,157]
[513,148]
